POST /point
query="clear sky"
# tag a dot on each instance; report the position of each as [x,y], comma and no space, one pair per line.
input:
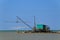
[46,12]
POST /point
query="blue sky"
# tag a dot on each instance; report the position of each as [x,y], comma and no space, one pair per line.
[46,12]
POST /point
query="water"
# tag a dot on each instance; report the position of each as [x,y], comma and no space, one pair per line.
[28,36]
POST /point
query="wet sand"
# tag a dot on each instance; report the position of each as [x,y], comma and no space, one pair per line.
[28,36]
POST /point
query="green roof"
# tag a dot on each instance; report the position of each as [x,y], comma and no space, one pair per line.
[39,26]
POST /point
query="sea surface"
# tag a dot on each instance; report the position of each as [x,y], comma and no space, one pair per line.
[8,35]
